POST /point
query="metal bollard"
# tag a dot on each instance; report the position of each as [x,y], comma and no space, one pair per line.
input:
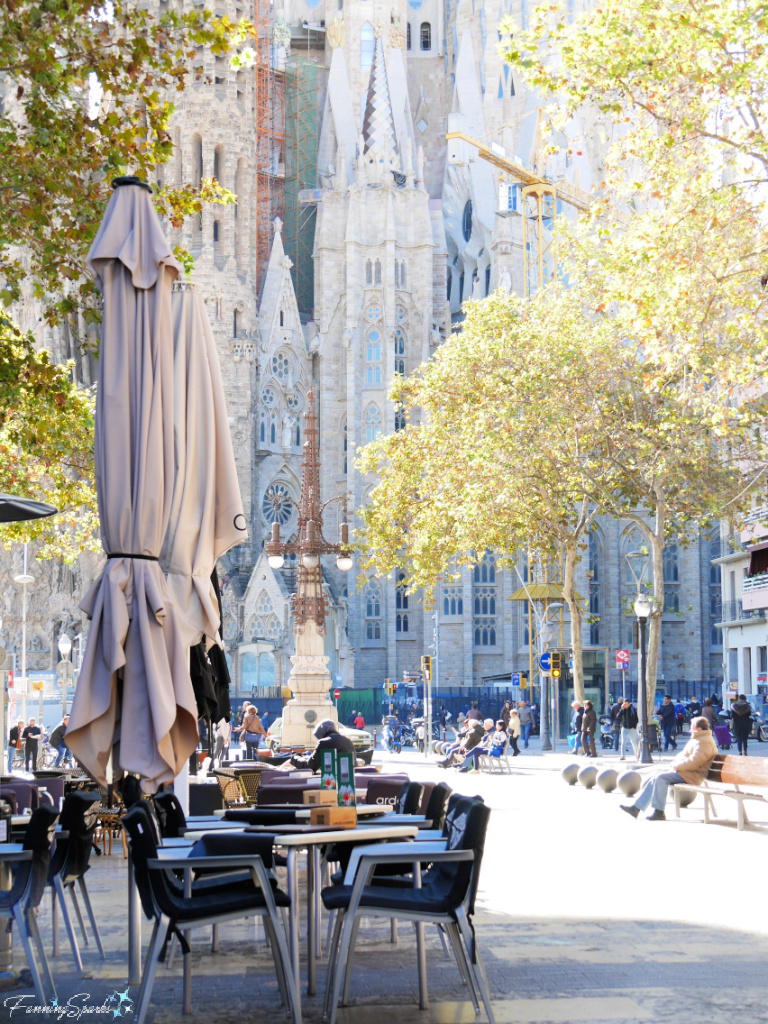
[374,739]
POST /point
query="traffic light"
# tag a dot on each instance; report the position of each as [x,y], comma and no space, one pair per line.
[555,663]
[426,667]
[390,688]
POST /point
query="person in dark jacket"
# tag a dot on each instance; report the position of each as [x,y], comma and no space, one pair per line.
[666,715]
[588,728]
[626,722]
[741,722]
[710,714]
[472,736]
[57,741]
[14,742]
[31,737]
[328,738]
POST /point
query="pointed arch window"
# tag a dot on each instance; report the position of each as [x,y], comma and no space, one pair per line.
[377,272]
[344,447]
[425,36]
[399,418]
[372,424]
[368,272]
[715,592]
[408,36]
[484,620]
[273,428]
[401,605]
[402,274]
[593,588]
[372,608]
[399,352]
[263,427]
[671,578]
[373,358]
[366,45]
[453,602]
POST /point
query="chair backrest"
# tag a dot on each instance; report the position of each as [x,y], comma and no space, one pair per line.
[250,782]
[232,792]
[155,890]
[465,827]
[170,815]
[79,816]
[32,874]
[438,802]
[409,798]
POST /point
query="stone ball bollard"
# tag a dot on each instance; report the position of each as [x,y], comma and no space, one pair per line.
[588,776]
[629,783]
[606,779]
[570,773]
[686,797]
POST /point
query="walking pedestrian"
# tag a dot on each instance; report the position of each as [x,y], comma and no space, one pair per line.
[588,728]
[251,732]
[679,717]
[526,721]
[574,738]
[58,743]
[710,714]
[15,742]
[741,722]
[627,723]
[666,715]
[691,765]
[513,731]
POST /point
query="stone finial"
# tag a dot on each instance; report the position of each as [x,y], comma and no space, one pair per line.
[278,224]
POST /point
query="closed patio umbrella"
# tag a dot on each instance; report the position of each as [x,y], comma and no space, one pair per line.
[16,510]
[134,698]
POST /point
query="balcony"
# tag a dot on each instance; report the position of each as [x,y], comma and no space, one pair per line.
[754,592]
[755,526]
[738,611]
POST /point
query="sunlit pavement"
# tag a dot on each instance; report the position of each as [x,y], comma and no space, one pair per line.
[584,915]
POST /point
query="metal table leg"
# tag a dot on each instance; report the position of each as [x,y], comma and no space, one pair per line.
[293,917]
[421,952]
[186,999]
[134,927]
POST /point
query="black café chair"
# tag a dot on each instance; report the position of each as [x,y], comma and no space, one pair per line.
[438,804]
[69,863]
[409,798]
[445,898]
[19,903]
[172,912]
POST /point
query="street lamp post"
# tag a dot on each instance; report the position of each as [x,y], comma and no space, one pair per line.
[638,563]
[24,579]
[545,635]
[64,669]
[309,679]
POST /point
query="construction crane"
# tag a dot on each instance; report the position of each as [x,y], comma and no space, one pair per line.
[539,200]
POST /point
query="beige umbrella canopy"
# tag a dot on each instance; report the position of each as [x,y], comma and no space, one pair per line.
[206,517]
[134,698]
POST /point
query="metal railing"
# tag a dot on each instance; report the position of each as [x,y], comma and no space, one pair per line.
[734,612]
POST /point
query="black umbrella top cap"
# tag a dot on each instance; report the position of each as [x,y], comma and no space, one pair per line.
[130,180]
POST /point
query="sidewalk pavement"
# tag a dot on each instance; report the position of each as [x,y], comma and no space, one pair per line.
[583,915]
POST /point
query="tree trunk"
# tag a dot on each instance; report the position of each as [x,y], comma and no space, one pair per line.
[577,615]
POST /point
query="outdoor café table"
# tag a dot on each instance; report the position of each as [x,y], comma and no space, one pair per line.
[370,811]
[9,853]
[307,838]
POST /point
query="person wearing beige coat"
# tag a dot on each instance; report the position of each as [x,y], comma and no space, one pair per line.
[691,765]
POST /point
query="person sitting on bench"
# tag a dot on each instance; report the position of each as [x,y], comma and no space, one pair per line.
[691,765]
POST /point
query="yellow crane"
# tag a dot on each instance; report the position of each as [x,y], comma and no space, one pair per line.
[539,202]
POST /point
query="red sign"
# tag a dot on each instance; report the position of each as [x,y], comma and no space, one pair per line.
[622,659]
[10,680]
[336,694]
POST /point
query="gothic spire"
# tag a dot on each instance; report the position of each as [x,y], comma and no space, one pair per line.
[379,137]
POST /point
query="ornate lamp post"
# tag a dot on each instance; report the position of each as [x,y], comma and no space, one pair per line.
[638,563]
[64,669]
[309,679]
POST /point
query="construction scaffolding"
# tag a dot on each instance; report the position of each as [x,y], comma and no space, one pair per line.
[270,137]
[300,174]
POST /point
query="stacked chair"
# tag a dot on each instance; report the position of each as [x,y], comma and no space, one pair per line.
[69,863]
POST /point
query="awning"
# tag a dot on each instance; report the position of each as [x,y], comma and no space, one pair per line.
[538,592]
[758,560]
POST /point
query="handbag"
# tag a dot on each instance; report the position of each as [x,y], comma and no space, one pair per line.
[251,737]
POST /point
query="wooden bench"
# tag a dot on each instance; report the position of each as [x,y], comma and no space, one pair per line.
[738,778]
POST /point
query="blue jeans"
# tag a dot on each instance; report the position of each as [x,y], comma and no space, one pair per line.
[668,729]
[61,752]
[654,791]
[628,739]
[525,732]
[11,755]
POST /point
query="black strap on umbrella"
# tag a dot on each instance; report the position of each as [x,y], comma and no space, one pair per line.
[126,554]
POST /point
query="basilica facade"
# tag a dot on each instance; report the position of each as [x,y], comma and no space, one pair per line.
[406,225]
